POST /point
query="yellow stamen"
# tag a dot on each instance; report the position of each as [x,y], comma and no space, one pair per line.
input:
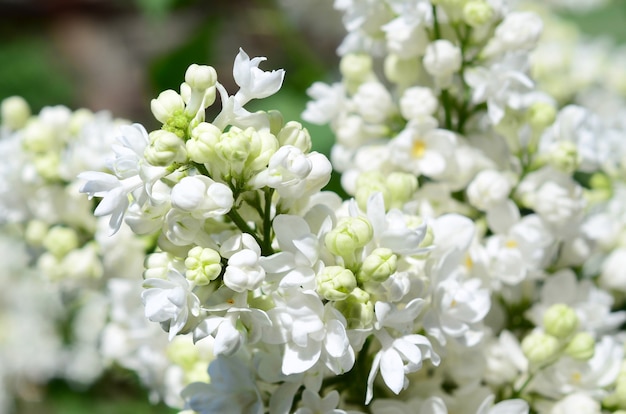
[511,244]
[577,377]
[469,263]
[419,148]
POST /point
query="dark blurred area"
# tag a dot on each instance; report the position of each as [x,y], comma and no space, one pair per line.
[117,55]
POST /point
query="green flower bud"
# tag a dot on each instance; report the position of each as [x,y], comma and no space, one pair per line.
[357,308]
[47,165]
[402,186]
[156,265]
[246,152]
[166,105]
[203,265]
[564,157]
[368,183]
[540,348]
[335,282]
[356,68]
[165,148]
[349,235]
[276,121]
[60,241]
[293,133]
[201,145]
[541,115]
[14,112]
[560,321]
[200,76]
[581,347]
[477,13]
[36,231]
[403,72]
[38,137]
[378,266]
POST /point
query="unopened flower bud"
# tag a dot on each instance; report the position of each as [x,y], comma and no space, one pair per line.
[335,283]
[378,266]
[564,157]
[200,76]
[402,186]
[36,231]
[370,182]
[60,241]
[349,235]
[541,115]
[201,145]
[581,347]
[47,165]
[403,72]
[357,308]
[417,102]
[293,133]
[166,105]
[539,347]
[477,13]
[277,122]
[203,265]
[442,59]
[356,68]
[202,197]
[157,265]
[165,148]
[38,137]
[14,112]
[560,321]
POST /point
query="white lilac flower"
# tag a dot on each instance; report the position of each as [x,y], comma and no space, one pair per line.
[421,148]
[399,354]
[310,332]
[170,301]
[253,82]
[503,84]
[232,389]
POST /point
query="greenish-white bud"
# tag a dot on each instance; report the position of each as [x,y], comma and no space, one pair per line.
[356,68]
[350,234]
[60,241]
[581,347]
[15,112]
[38,137]
[564,157]
[413,222]
[293,133]
[47,165]
[560,321]
[36,231]
[201,145]
[79,119]
[157,265]
[276,121]
[335,282]
[541,115]
[477,13]
[403,72]
[200,76]
[166,105]
[370,182]
[378,266]
[540,348]
[203,265]
[246,152]
[357,308]
[402,186]
[196,373]
[165,148]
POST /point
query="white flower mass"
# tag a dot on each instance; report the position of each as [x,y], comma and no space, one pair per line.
[478,200]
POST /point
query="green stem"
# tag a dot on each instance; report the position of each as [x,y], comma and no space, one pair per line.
[267,219]
[243,226]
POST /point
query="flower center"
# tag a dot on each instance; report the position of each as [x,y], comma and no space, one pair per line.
[511,244]
[418,149]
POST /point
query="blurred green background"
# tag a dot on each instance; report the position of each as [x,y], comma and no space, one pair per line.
[119,54]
